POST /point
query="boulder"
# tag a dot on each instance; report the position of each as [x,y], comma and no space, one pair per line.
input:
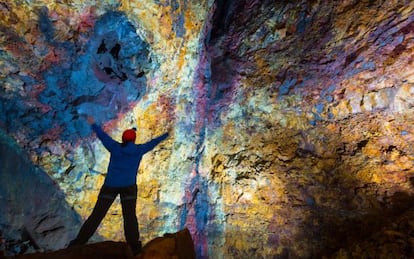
[177,245]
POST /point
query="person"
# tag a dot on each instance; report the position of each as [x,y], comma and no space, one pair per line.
[121,177]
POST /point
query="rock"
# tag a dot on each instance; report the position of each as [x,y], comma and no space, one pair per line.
[34,209]
[291,122]
[104,250]
[177,245]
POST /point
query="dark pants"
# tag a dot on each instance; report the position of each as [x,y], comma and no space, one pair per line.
[106,197]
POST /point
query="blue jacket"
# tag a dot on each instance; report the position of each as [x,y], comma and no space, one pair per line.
[125,159]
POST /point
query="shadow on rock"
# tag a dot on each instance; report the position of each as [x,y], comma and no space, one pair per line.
[383,231]
[386,234]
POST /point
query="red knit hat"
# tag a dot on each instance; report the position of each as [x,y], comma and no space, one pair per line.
[129,135]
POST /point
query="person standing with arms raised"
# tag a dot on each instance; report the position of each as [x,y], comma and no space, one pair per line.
[121,179]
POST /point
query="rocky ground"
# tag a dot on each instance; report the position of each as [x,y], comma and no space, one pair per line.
[177,245]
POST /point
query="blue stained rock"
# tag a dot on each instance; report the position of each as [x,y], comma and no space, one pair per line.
[179,26]
[319,107]
[369,66]
[45,25]
[102,81]
[285,87]
[400,39]
[303,21]
[329,98]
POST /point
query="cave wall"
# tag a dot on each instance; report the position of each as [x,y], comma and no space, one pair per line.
[290,122]
[322,93]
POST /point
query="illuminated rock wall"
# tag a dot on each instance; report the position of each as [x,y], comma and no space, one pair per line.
[290,122]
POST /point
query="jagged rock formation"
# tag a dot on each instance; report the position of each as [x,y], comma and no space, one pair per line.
[34,212]
[292,121]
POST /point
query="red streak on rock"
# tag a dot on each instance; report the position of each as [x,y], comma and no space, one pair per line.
[87,20]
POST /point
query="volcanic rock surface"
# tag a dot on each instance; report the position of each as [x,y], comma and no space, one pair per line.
[291,122]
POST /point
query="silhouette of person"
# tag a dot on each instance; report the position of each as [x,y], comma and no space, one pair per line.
[121,177]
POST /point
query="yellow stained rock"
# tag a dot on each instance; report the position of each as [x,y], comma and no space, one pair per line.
[371,150]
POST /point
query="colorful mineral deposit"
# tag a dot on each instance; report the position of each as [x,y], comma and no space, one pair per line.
[291,122]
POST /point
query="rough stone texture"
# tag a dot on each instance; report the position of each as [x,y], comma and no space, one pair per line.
[177,245]
[34,213]
[291,122]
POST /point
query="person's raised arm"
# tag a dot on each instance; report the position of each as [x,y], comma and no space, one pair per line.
[152,143]
[106,140]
